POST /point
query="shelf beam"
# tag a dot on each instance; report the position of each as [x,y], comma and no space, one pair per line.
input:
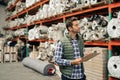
[115,42]
[114,5]
[96,43]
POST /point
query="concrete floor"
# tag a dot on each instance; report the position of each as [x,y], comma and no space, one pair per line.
[16,71]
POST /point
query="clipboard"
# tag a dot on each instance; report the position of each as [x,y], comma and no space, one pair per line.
[90,55]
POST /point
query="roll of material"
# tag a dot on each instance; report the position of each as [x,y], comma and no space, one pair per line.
[43,67]
[102,30]
[94,1]
[113,28]
[118,16]
[83,29]
[114,66]
[96,36]
[85,2]
[43,29]
[86,35]
[84,24]
[104,23]
[94,25]
[31,34]
[114,14]
[96,18]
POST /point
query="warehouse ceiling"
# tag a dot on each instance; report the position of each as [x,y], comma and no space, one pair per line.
[4,2]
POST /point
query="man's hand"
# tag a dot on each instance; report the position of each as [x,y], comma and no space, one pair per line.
[76,61]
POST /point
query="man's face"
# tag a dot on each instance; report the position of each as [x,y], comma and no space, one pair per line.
[76,27]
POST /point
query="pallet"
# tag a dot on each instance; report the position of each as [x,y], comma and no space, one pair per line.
[10,54]
[6,54]
[6,58]
[13,54]
[1,57]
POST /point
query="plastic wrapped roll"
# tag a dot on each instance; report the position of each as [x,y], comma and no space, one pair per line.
[114,14]
[94,25]
[43,29]
[59,8]
[86,35]
[102,30]
[52,2]
[104,23]
[113,28]
[96,18]
[94,1]
[41,66]
[83,29]
[114,66]
[45,10]
[85,2]
[88,24]
[83,23]
[96,36]
[31,34]
[118,16]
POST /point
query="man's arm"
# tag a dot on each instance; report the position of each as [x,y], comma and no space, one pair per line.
[58,56]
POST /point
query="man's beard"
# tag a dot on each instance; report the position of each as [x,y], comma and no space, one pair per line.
[75,31]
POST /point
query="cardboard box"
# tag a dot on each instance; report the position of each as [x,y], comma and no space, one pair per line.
[96,67]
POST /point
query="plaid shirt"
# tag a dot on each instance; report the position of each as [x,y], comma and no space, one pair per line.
[77,70]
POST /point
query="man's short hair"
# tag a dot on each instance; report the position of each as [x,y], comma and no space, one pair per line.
[69,22]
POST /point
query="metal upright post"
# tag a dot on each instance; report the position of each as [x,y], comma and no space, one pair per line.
[26,39]
[109,44]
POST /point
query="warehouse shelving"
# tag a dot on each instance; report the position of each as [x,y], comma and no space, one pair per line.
[13,6]
[63,16]
[28,9]
[105,9]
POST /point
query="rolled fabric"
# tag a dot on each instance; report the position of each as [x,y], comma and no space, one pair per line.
[31,34]
[94,1]
[103,30]
[96,18]
[104,23]
[114,14]
[83,29]
[45,10]
[96,36]
[43,67]
[52,2]
[43,29]
[85,2]
[86,35]
[113,28]
[118,16]
[88,24]
[94,25]
[114,66]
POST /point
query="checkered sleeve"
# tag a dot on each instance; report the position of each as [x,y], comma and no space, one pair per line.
[58,56]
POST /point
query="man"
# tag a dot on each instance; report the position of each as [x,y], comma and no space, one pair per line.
[69,52]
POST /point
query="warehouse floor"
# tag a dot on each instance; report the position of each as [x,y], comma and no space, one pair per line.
[16,71]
